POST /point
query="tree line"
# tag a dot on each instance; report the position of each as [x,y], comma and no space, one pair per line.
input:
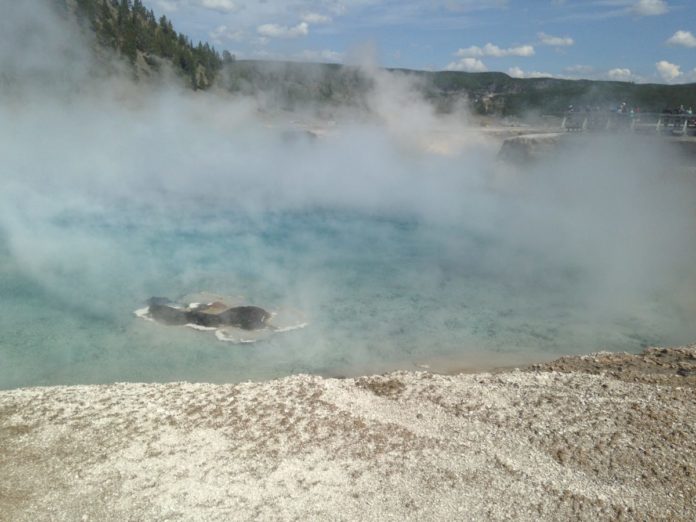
[132,30]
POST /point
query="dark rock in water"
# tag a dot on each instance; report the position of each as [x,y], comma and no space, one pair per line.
[213,315]
[158,301]
[245,317]
[202,318]
[167,314]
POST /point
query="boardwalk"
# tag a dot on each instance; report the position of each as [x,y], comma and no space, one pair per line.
[644,123]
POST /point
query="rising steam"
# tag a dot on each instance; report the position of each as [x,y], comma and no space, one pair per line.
[113,191]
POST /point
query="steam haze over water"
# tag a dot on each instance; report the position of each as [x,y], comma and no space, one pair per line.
[401,236]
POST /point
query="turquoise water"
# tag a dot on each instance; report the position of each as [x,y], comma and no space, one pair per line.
[397,233]
[380,292]
[398,256]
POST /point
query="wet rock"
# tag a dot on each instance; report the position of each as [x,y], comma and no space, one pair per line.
[155,301]
[168,314]
[202,318]
[212,315]
[245,317]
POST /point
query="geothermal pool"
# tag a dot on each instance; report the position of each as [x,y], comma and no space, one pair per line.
[403,249]
[394,229]
[380,292]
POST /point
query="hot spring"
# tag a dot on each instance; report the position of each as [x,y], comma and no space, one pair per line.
[403,249]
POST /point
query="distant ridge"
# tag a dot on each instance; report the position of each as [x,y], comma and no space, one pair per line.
[493,93]
[147,43]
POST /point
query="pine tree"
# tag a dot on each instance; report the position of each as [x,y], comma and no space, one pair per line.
[123,12]
[130,28]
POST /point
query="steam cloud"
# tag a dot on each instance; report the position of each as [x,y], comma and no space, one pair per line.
[113,191]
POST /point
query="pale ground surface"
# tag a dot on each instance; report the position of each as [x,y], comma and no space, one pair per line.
[523,445]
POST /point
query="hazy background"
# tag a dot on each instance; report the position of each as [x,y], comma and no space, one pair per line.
[398,233]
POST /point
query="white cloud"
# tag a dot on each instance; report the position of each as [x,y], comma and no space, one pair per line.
[325,55]
[467,65]
[223,33]
[668,71]
[168,6]
[556,41]
[317,19]
[493,50]
[683,38]
[650,7]
[307,55]
[283,31]
[516,72]
[620,74]
[225,6]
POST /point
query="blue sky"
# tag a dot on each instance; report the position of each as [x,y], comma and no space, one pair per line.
[630,40]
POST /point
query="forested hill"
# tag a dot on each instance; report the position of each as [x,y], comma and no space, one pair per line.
[498,93]
[297,84]
[148,42]
[134,31]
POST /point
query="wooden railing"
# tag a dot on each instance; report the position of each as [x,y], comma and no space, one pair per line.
[639,122]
